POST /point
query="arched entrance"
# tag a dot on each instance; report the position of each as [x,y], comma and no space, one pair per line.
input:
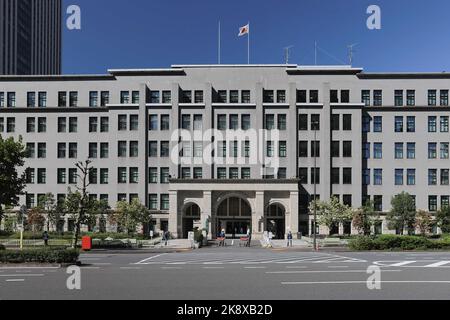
[190,214]
[235,216]
[276,221]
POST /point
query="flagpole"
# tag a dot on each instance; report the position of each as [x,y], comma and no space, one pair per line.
[248,44]
[220,35]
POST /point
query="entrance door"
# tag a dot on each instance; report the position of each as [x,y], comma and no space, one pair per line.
[235,229]
[277,227]
[234,215]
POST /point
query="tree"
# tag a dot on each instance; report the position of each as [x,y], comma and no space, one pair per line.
[35,219]
[49,206]
[364,218]
[403,213]
[96,209]
[443,219]
[424,222]
[332,212]
[12,156]
[129,215]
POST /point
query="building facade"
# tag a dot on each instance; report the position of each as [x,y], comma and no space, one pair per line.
[235,147]
[30,37]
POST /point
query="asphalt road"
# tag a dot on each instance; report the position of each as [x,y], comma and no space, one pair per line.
[238,274]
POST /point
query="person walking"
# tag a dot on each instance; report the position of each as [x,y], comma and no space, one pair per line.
[249,237]
[289,238]
[45,237]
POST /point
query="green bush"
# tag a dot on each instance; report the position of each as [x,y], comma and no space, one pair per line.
[2,247]
[394,242]
[39,256]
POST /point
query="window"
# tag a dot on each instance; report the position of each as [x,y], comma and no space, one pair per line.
[221,173]
[335,176]
[315,149]
[245,96]
[122,149]
[93,99]
[42,150]
[245,173]
[165,175]
[270,149]
[234,96]
[198,173]
[398,177]
[104,124]
[270,122]
[432,177]
[445,177]
[378,124]
[366,177]
[432,203]
[268,96]
[411,150]
[398,98]
[104,98]
[365,97]
[301,96]
[165,204]
[411,97]
[303,149]
[134,122]
[2,125]
[445,201]
[198,149]
[399,150]
[73,99]
[281,96]
[2,99]
[42,125]
[335,122]
[432,150]
[73,150]
[62,99]
[186,151]
[153,122]
[347,122]
[444,124]
[444,97]
[234,149]
[411,124]
[124,97]
[303,175]
[10,125]
[398,124]
[93,176]
[73,125]
[315,176]
[432,124]
[282,122]
[154,97]
[167,97]
[221,122]
[61,150]
[122,175]
[62,125]
[122,122]
[245,122]
[93,152]
[411,177]
[234,122]
[432,97]
[31,99]
[378,203]
[153,175]
[135,97]
[378,177]
[444,150]
[164,149]
[104,176]
[234,173]
[347,150]
[377,98]
[335,149]
[153,149]
[314,96]
[334,96]
[283,149]
[93,124]
[378,150]
[134,175]
[185,173]
[186,121]
[61,176]
[73,176]
[30,201]
[186,96]
[11,103]
[303,122]
[198,122]
[165,122]
[31,151]
[31,125]
[246,149]
[42,176]
[153,201]
[347,173]
[104,150]
[315,122]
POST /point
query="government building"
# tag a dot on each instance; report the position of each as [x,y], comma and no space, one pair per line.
[235,147]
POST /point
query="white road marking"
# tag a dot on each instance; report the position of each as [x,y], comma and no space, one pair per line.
[171,268]
[90,268]
[15,280]
[403,263]
[20,275]
[361,282]
[437,264]
[213,268]
[298,267]
[326,271]
[255,267]
[151,258]
[101,264]
[131,268]
[337,267]
[24,268]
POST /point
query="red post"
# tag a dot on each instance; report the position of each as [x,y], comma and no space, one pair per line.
[86,243]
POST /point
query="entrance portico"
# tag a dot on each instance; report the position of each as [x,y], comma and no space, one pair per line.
[234,206]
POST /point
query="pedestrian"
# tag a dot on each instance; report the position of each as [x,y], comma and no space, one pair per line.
[45,237]
[166,238]
[289,238]
[249,237]
[222,238]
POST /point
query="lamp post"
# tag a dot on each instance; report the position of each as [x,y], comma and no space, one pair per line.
[315,124]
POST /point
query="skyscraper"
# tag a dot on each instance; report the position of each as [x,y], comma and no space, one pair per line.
[30,37]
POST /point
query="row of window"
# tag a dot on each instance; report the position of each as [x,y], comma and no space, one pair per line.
[399,177]
[399,97]
[399,149]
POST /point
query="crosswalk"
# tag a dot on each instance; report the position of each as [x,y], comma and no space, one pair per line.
[415,263]
[214,259]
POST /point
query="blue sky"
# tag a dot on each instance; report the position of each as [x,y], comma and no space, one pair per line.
[415,35]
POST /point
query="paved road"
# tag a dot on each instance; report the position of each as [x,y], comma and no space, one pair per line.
[238,273]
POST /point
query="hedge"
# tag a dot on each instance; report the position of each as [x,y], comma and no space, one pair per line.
[2,247]
[39,256]
[394,242]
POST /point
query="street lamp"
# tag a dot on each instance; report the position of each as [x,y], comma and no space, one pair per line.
[315,124]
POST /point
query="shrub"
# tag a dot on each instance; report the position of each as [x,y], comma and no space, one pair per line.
[2,247]
[361,243]
[394,242]
[39,256]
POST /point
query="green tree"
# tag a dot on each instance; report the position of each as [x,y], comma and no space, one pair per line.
[403,213]
[443,219]
[364,218]
[424,222]
[331,212]
[35,219]
[12,156]
[50,208]
[130,215]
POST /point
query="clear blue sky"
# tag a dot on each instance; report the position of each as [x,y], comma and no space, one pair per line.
[415,34]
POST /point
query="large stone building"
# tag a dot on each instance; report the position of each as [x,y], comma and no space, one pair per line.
[370,136]
[30,37]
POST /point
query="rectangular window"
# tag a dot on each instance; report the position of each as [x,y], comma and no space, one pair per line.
[104,124]
[42,125]
[315,122]
[334,96]
[153,201]
[93,99]
[62,125]
[93,152]
[104,176]
[281,96]
[245,122]
[270,149]
[432,124]
[73,99]
[245,173]
[378,177]
[444,98]
[164,149]
[198,96]
[303,122]
[198,149]
[399,150]
[186,122]
[221,173]
[165,122]
[61,150]
[245,96]
[314,96]
[153,122]
[366,177]
[124,97]
[198,122]
[165,175]
[398,124]
[282,122]
[73,150]
[186,151]
[134,175]
[315,176]
[315,149]
[185,173]
[165,204]
[198,173]
[42,150]
[153,149]
[432,177]
[134,122]
[444,124]
[104,98]
[122,175]
[234,96]
[398,99]
[31,99]
[301,96]
[345,96]
[445,177]
[234,122]
[42,176]
[31,125]
[365,97]
[222,122]
[93,124]
[104,150]
[378,124]
[432,150]
[347,173]
[122,122]
[62,176]
[73,125]
[411,97]
[411,150]
[29,176]
[378,203]
[2,125]
[335,175]
[11,96]
[62,99]
[377,98]
[270,122]
[268,96]
[153,175]
[135,97]
[378,150]
[411,124]
[432,97]
[444,150]
[303,175]
[167,97]
[283,149]
[93,176]
[411,177]
[30,150]
[432,204]
[154,97]
[335,149]
[121,149]
[2,99]
[347,122]
[347,150]
[398,177]
[303,149]
[445,201]
[186,96]
[335,122]
[234,173]
[10,125]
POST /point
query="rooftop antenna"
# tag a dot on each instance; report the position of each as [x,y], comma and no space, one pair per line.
[287,54]
[351,52]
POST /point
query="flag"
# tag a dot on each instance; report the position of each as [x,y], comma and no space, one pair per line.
[244,30]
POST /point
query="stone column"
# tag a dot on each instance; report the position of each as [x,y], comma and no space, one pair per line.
[174,217]
[293,214]
[258,216]
[206,214]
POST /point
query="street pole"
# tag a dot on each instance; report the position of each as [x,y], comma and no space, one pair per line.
[315,186]
[23,210]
